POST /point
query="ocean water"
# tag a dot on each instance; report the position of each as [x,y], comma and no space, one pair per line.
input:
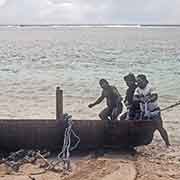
[33,61]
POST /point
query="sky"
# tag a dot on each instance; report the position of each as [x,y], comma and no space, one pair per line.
[89,12]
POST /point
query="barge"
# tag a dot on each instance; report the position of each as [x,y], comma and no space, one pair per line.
[49,133]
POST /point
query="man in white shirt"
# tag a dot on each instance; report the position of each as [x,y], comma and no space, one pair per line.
[146,95]
[148,104]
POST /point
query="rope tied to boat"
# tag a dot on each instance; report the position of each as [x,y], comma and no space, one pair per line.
[171,106]
[148,114]
[64,155]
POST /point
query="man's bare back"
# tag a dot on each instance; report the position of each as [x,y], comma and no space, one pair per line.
[113,100]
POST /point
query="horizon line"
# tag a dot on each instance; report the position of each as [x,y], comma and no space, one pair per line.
[89,24]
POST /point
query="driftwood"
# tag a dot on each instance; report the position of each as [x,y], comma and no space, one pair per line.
[16,159]
[20,157]
[43,158]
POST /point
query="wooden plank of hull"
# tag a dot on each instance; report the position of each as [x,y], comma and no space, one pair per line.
[49,134]
[16,134]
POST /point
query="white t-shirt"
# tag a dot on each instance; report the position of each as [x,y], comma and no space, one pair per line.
[148,90]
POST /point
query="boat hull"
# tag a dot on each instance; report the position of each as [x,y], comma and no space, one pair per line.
[49,134]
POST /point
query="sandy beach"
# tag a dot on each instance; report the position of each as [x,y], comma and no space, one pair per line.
[153,162]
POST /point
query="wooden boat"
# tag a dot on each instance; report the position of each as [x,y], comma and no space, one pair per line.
[49,133]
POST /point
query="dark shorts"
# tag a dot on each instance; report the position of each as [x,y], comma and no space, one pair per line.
[134,111]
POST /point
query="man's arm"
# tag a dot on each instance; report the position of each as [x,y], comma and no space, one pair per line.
[119,97]
[138,96]
[98,101]
[153,97]
[126,98]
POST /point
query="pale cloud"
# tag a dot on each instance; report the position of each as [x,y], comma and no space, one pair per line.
[94,11]
[2,2]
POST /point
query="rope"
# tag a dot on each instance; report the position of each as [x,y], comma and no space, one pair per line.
[146,112]
[64,155]
[171,106]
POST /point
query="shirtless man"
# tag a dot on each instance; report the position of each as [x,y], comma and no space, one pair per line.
[113,99]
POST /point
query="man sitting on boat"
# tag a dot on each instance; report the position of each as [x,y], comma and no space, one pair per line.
[113,99]
[149,108]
